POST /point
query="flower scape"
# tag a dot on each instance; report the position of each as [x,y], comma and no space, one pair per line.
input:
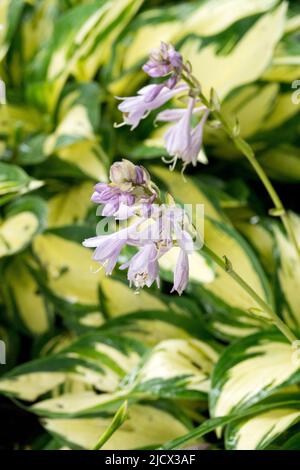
[149,225]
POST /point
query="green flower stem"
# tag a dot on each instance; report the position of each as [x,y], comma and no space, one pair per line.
[249,154]
[118,420]
[247,151]
[264,306]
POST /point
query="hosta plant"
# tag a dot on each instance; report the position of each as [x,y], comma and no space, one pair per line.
[168,335]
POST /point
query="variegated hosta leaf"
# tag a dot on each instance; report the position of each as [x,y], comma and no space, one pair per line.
[10,12]
[26,307]
[14,181]
[288,273]
[93,163]
[78,118]
[287,400]
[250,370]
[37,26]
[244,61]
[272,161]
[19,117]
[120,300]
[227,303]
[24,218]
[205,19]
[213,16]
[261,238]
[82,403]
[78,47]
[176,368]
[72,276]
[153,326]
[94,360]
[146,426]
[190,192]
[71,206]
[259,109]
[226,241]
[258,432]
[285,64]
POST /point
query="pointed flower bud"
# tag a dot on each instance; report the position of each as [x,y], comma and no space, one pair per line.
[163,61]
[123,172]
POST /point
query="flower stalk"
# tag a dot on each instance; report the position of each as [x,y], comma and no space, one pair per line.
[131,195]
[226,266]
[247,151]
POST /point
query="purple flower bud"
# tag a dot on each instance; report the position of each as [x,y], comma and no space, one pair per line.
[163,61]
[130,187]
[121,172]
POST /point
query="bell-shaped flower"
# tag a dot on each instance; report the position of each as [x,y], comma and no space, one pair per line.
[150,97]
[182,141]
[143,268]
[181,273]
[111,197]
[108,247]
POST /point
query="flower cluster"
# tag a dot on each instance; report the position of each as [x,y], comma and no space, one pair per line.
[183,140]
[145,223]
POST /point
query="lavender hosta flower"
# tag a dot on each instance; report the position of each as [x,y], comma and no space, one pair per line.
[163,61]
[112,198]
[108,248]
[191,154]
[182,140]
[154,229]
[178,137]
[181,273]
[149,98]
[143,268]
[2,92]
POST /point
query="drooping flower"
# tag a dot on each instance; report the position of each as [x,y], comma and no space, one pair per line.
[163,61]
[178,137]
[2,92]
[150,97]
[108,248]
[181,273]
[190,155]
[182,140]
[112,198]
[143,268]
